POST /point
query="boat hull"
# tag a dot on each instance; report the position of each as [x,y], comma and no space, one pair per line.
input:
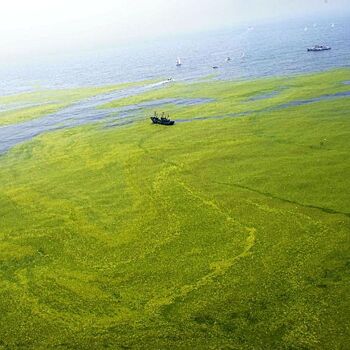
[319,49]
[156,120]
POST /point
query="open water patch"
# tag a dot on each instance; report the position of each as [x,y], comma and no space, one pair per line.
[87,111]
[79,113]
[136,109]
[186,102]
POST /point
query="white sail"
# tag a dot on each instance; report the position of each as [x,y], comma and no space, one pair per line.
[178,61]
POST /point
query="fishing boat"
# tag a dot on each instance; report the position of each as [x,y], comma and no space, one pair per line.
[178,62]
[162,120]
[317,48]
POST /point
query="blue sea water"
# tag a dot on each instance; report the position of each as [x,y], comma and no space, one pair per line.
[260,50]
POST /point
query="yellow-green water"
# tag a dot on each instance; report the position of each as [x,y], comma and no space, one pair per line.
[227,233]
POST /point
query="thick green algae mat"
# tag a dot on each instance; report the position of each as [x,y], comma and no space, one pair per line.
[228,233]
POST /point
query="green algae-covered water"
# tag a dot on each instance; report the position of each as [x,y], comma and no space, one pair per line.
[227,232]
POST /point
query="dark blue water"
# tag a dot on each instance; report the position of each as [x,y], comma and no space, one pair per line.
[264,50]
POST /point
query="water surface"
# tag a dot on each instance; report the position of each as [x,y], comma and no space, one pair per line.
[258,51]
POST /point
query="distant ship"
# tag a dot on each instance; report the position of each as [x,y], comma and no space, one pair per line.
[178,62]
[319,48]
[228,59]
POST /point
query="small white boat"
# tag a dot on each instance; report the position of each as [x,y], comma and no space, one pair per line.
[317,48]
[178,62]
[228,59]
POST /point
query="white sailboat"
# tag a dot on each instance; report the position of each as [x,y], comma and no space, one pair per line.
[178,62]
